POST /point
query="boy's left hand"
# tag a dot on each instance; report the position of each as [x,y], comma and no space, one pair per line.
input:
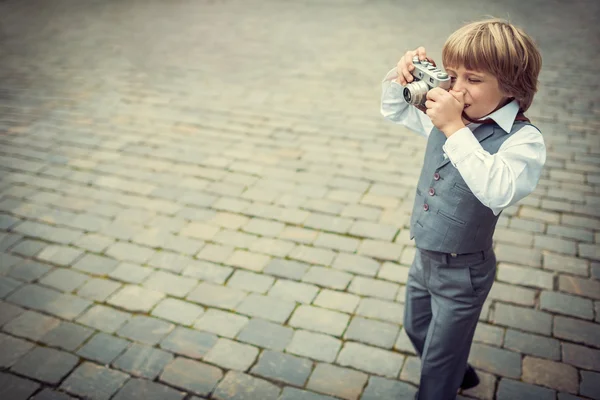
[445,110]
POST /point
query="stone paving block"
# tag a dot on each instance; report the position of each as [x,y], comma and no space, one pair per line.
[199,230]
[16,388]
[568,305]
[589,251]
[169,261]
[174,285]
[221,322]
[411,371]
[178,311]
[104,318]
[135,298]
[8,260]
[518,255]
[130,252]
[266,334]
[312,255]
[319,320]
[555,244]
[231,355]
[336,242]
[94,382]
[283,367]
[314,345]
[145,390]
[323,206]
[496,361]
[45,364]
[299,235]
[272,247]
[373,230]
[143,361]
[59,255]
[512,294]
[539,215]
[489,334]
[327,277]
[590,384]
[188,342]
[250,281]
[517,223]
[577,331]
[130,273]
[49,394]
[64,280]
[294,291]
[356,264]
[334,300]
[263,227]
[534,345]
[403,343]
[103,348]
[216,296]
[94,242]
[95,265]
[12,349]
[267,307]
[373,287]
[236,239]
[9,312]
[524,276]
[8,286]
[581,356]
[380,250]
[286,268]
[328,223]
[291,393]
[382,388]
[381,309]
[580,287]
[207,271]
[191,376]
[98,289]
[340,382]
[550,374]
[248,260]
[509,389]
[370,359]
[29,271]
[67,336]
[239,386]
[393,272]
[215,253]
[28,248]
[229,220]
[145,329]
[376,333]
[523,318]
[31,325]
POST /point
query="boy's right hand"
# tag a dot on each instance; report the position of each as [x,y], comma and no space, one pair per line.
[405,65]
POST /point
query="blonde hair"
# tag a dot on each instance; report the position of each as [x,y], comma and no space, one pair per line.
[501,49]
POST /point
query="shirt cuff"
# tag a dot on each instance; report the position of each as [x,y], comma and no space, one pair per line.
[460,145]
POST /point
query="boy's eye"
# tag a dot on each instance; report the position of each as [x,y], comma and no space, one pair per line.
[452,78]
[474,80]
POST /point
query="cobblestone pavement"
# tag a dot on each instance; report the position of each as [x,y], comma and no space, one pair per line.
[199,199]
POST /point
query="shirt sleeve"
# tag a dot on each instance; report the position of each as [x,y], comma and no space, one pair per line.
[397,110]
[502,179]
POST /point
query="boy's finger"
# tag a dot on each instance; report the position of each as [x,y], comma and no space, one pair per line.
[421,53]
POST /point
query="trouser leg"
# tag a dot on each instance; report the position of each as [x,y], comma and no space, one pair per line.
[417,307]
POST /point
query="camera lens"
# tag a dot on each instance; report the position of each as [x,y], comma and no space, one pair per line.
[414,93]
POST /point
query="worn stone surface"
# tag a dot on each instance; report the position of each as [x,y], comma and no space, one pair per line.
[157,194]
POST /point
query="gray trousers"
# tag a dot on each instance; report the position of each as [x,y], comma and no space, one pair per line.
[444,297]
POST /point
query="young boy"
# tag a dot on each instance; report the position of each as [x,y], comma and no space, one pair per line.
[482,156]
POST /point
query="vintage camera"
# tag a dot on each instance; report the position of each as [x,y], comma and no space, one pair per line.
[427,76]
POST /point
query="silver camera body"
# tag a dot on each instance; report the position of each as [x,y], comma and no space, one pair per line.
[427,76]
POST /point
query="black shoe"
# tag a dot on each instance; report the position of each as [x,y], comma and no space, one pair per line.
[470,380]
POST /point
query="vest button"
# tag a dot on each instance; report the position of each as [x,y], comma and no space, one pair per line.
[436,176]
[426,207]
[431,191]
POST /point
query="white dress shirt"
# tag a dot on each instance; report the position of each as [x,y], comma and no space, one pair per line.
[497,180]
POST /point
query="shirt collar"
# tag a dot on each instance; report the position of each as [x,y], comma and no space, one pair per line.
[505,116]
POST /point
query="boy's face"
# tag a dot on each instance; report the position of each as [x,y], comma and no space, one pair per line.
[481,91]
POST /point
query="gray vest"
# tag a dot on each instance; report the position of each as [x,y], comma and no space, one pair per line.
[446,216]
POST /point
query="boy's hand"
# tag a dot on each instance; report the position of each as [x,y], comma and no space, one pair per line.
[405,65]
[445,110]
